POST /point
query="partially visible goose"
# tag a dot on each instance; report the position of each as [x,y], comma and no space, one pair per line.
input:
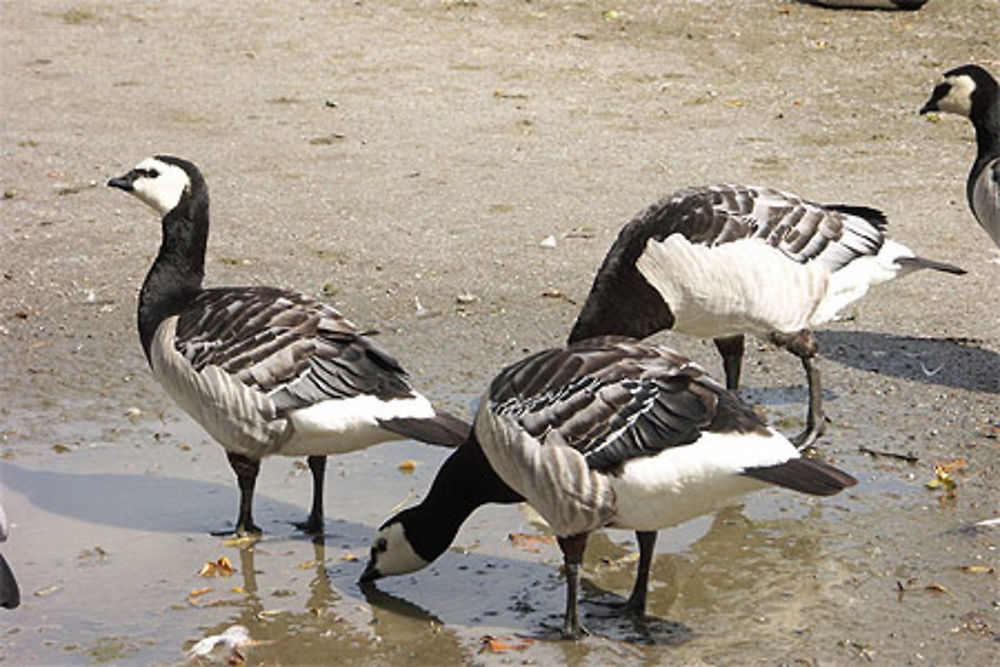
[606,432]
[264,370]
[10,594]
[972,92]
[723,261]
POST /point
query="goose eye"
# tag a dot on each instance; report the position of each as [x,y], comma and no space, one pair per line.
[380,545]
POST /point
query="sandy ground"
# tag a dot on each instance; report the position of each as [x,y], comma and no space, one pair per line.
[405,159]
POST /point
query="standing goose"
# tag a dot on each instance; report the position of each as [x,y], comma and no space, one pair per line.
[608,432]
[723,261]
[972,92]
[263,370]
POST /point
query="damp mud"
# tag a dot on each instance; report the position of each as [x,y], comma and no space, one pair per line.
[406,161]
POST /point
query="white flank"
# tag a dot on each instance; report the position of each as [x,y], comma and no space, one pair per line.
[398,557]
[682,483]
[745,286]
[345,425]
[245,421]
[164,191]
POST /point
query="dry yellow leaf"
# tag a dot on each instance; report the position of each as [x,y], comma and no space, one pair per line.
[530,542]
[407,467]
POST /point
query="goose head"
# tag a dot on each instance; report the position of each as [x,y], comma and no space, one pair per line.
[163,182]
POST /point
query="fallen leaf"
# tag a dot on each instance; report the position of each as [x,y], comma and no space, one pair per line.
[222,567]
[407,467]
[978,569]
[503,644]
[241,541]
[349,557]
[953,465]
[48,590]
[937,588]
[309,564]
[530,542]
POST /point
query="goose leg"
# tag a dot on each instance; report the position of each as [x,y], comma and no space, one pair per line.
[573,548]
[731,349]
[246,470]
[636,603]
[314,524]
[803,345]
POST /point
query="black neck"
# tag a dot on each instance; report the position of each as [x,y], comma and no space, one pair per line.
[177,274]
[464,483]
[987,135]
[621,302]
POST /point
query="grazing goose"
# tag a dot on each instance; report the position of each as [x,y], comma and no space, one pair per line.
[607,432]
[10,594]
[972,92]
[263,370]
[723,261]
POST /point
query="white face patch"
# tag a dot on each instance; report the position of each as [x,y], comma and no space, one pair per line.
[959,97]
[392,553]
[161,186]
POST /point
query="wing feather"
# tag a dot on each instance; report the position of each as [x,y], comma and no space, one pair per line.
[294,349]
[614,400]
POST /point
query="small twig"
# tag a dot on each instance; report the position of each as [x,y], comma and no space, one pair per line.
[909,458]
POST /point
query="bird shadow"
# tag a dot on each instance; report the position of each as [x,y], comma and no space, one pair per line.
[961,363]
[140,502]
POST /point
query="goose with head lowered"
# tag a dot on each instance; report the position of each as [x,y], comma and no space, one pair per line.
[724,261]
[263,370]
[606,432]
[972,92]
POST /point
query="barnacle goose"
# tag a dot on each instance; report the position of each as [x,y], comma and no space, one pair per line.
[10,594]
[607,432]
[972,92]
[723,261]
[263,370]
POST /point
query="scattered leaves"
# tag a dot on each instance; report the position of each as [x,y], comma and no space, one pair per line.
[553,293]
[309,564]
[195,595]
[943,479]
[495,644]
[530,542]
[328,140]
[937,588]
[48,590]
[221,567]
[501,94]
[241,542]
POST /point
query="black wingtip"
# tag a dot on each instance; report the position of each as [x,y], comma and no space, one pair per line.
[806,476]
[443,429]
[924,263]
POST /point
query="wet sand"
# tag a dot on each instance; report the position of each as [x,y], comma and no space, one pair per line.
[396,155]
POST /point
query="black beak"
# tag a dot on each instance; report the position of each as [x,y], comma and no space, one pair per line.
[123,182]
[930,106]
[370,574]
